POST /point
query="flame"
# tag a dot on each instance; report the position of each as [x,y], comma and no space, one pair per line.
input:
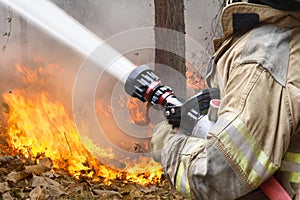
[137,111]
[102,108]
[194,78]
[38,124]
[41,126]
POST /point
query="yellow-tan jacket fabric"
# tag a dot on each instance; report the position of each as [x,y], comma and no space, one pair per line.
[257,132]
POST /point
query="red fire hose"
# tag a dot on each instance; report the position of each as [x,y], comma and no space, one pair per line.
[273,190]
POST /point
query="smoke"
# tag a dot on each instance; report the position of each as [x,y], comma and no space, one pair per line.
[106,19]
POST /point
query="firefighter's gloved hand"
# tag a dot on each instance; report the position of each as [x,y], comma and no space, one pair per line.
[202,127]
[161,135]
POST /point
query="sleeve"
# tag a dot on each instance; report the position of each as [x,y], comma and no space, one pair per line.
[242,149]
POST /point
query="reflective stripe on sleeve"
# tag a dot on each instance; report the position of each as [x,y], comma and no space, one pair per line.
[182,183]
[291,166]
[242,148]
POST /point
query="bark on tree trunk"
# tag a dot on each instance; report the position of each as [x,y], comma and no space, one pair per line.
[169,14]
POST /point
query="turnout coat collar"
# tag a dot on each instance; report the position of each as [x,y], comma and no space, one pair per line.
[238,14]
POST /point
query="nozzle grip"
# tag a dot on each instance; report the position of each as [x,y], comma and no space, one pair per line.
[186,115]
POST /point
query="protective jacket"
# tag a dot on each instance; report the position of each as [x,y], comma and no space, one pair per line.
[257,69]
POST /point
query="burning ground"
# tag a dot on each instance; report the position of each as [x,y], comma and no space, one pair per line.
[23,178]
[43,157]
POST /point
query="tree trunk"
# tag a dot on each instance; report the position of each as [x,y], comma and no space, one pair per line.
[170,45]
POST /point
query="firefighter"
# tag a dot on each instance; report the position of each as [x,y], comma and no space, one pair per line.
[256,67]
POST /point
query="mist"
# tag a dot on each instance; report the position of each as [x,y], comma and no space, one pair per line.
[113,21]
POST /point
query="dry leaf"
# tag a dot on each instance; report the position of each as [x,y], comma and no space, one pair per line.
[3,170]
[148,190]
[7,196]
[4,187]
[126,189]
[75,187]
[21,195]
[54,191]
[43,181]
[37,181]
[44,165]
[37,194]
[6,159]
[36,169]
[17,176]
[46,162]
[50,187]
[51,174]
[107,193]
[15,165]
[53,182]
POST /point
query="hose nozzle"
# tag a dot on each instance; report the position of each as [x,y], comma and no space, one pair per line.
[143,84]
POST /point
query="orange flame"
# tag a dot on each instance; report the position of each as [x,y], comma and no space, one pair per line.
[40,125]
[194,79]
[137,110]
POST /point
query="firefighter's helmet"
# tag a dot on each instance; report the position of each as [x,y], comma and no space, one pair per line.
[292,5]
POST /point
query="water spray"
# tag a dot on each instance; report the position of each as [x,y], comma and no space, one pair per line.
[140,82]
[63,27]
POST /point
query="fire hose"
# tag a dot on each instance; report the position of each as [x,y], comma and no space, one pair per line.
[142,83]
